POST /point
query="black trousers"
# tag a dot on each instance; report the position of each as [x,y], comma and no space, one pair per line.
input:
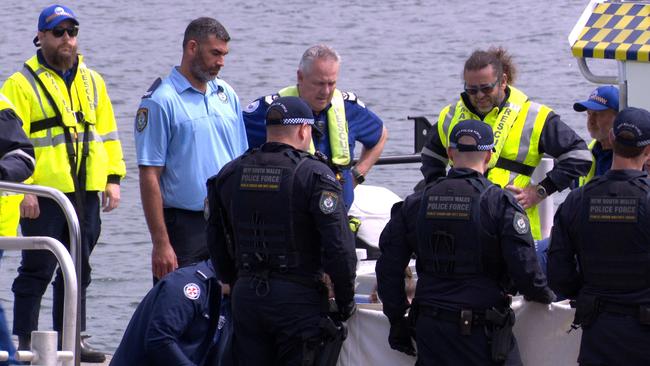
[37,266]
[615,339]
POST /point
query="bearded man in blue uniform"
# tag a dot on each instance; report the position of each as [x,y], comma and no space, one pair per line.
[341,119]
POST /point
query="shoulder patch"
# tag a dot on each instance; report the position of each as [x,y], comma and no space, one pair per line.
[520,223]
[351,97]
[328,202]
[152,88]
[192,291]
[270,98]
[141,119]
[252,107]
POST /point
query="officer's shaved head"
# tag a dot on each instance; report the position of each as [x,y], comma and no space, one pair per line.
[201,28]
[319,51]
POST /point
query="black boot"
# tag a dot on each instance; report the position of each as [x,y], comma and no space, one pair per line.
[24,343]
[89,354]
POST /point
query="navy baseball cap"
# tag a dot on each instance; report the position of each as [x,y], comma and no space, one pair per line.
[604,97]
[637,122]
[53,15]
[289,111]
[480,131]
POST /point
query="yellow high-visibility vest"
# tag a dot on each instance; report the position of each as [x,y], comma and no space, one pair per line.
[592,170]
[64,124]
[337,126]
[517,130]
[9,201]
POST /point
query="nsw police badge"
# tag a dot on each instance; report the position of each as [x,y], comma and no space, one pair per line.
[520,223]
[328,202]
[141,119]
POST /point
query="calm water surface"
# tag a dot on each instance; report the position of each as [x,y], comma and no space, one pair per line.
[403,58]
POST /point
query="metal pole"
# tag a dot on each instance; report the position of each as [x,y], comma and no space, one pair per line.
[75,243]
[70,299]
[596,79]
[44,344]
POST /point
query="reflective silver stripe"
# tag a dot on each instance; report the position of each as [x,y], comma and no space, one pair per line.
[22,153]
[92,78]
[448,118]
[30,78]
[6,193]
[576,154]
[6,100]
[60,139]
[111,136]
[430,153]
[527,131]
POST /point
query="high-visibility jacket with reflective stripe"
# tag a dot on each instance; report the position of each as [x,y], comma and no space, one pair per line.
[592,171]
[9,201]
[517,130]
[337,125]
[87,101]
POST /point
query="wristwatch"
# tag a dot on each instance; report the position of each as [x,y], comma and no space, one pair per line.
[358,177]
[541,191]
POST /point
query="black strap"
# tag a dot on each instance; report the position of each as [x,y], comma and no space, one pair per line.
[623,309]
[515,166]
[452,316]
[45,124]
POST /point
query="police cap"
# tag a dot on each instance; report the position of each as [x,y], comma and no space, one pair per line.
[635,121]
[289,111]
[480,131]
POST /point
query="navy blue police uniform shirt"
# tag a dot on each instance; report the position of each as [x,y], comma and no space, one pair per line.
[176,322]
[18,165]
[499,209]
[363,126]
[312,224]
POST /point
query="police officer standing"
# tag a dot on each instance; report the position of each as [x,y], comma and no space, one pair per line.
[276,223]
[600,251]
[68,116]
[473,242]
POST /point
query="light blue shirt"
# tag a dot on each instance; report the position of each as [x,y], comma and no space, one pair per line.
[191,134]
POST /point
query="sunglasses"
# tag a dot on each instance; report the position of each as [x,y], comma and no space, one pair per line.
[485,88]
[58,32]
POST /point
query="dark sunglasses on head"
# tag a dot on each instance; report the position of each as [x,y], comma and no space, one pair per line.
[485,88]
[58,31]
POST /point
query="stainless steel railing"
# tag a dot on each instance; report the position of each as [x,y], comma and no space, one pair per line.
[70,336]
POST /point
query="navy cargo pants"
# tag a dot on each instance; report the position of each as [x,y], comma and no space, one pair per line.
[37,266]
[275,325]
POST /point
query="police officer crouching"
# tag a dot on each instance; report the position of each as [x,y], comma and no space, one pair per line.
[276,223]
[474,246]
[600,251]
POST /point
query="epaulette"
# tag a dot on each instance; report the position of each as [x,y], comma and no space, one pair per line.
[152,88]
[270,98]
[351,97]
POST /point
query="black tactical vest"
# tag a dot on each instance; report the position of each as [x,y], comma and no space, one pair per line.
[451,240]
[262,211]
[613,242]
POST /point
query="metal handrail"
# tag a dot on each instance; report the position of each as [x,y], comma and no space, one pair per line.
[70,309]
[75,244]
[596,79]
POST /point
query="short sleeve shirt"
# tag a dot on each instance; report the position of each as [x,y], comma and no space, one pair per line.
[189,133]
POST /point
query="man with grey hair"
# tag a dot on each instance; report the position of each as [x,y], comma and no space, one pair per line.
[341,118]
[187,127]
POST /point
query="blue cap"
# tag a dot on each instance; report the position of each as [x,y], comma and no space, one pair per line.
[637,122]
[53,15]
[289,111]
[480,131]
[604,97]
